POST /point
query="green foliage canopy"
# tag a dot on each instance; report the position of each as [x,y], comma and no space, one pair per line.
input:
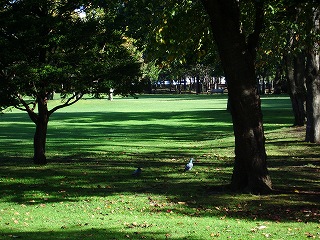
[175,36]
[62,46]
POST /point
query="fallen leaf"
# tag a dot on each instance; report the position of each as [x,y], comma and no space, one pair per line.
[215,235]
[261,227]
[14,236]
[310,235]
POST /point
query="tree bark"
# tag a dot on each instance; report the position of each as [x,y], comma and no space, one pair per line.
[237,54]
[40,135]
[295,68]
[313,79]
[313,99]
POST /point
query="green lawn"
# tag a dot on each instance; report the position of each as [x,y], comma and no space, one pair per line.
[87,191]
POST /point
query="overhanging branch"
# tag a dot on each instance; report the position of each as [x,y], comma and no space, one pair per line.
[72,100]
[253,38]
[33,116]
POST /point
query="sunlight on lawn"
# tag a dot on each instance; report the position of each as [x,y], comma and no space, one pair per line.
[87,190]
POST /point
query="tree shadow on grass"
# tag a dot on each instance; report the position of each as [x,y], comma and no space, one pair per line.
[196,193]
[103,233]
[132,132]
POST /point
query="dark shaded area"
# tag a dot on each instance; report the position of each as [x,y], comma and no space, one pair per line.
[94,233]
[295,198]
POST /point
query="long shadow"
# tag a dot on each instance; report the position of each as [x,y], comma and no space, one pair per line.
[96,130]
[103,233]
[102,178]
[93,128]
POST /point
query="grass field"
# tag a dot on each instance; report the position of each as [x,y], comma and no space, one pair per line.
[87,190]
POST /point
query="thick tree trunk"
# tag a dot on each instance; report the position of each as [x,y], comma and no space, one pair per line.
[313,99]
[250,172]
[295,68]
[313,79]
[40,135]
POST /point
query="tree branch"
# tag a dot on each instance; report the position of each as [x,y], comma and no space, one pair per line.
[33,116]
[253,38]
[72,100]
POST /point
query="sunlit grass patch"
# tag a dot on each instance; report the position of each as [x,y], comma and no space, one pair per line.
[86,191]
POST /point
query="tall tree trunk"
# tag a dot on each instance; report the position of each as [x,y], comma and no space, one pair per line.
[198,85]
[277,79]
[250,171]
[40,135]
[313,99]
[295,68]
[313,79]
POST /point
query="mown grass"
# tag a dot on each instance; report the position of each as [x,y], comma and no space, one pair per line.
[87,191]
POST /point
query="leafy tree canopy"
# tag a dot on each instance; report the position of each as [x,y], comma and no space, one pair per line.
[167,37]
[71,47]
